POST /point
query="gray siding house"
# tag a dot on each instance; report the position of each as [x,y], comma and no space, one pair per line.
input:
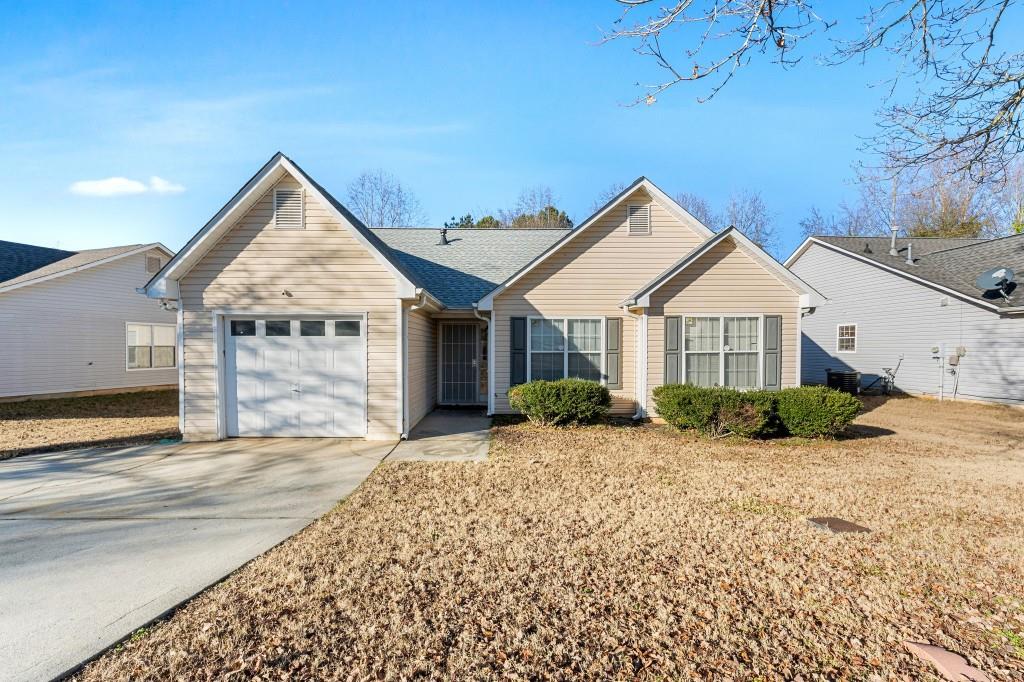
[72,322]
[917,312]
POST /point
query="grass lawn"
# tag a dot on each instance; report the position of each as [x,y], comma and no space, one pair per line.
[64,423]
[611,552]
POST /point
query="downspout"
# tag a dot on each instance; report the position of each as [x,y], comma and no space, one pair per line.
[490,357]
[639,362]
[421,301]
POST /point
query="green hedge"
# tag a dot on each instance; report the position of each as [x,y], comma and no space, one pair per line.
[561,403]
[717,411]
[815,411]
[811,411]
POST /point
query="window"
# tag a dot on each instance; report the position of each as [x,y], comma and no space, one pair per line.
[846,338]
[722,351]
[346,328]
[150,346]
[288,214]
[243,327]
[639,219]
[569,347]
[312,328]
[279,327]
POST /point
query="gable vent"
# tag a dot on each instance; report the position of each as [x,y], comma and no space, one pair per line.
[152,264]
[288,208]
[639,219]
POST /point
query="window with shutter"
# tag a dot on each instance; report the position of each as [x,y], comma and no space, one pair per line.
[639,219]
[288,214]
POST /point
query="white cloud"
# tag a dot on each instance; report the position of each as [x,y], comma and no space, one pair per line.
[108,187]
[118,186]
[161,186]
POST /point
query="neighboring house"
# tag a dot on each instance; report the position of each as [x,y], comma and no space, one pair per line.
[300,321]
[73,323]
[925,319]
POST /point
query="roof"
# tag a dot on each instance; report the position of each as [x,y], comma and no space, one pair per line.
[475,261]
[17,259]
[641,297]
[951,264]
[72,261]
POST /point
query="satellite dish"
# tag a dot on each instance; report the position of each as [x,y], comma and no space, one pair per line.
[997,282]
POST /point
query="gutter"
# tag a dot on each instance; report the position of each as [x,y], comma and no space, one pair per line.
[403,333]
[490,357]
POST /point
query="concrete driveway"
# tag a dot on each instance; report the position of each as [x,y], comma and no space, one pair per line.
[95,543]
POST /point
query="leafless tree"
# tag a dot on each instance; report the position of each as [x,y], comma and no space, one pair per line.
[535,208]
[747,211]
[379,200]
[698,207]
[969,104]
[607,194]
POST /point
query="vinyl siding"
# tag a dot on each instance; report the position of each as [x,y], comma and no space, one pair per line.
[323,267]
[422,372]
[725,280]
[590,276]
[898,317]
[68,334]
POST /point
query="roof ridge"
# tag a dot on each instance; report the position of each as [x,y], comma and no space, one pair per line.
[978,242]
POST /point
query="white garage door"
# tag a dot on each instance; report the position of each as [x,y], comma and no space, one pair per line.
[295,377]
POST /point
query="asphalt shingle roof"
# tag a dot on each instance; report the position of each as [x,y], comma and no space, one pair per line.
[472,264]
[17,259]
[951,263]
[68,260]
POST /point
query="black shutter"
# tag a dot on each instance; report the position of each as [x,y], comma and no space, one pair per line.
[773,352]
[613,351]
[673,349]
[517,361]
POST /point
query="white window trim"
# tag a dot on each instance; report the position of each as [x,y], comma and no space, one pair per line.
[177,358]
[565,349]
[856,334]
[721,346]
[650,228]
[302,208]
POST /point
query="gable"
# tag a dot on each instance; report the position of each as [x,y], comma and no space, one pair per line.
[605,263]
[165,284]
[255,261]
[725,279]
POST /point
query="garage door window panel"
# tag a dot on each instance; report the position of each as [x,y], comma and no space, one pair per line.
[279,327]
[312,328]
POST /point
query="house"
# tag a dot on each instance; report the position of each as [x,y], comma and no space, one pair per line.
[912,305]
[298,320]
[72,322]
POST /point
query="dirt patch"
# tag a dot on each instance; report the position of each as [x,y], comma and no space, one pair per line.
[66,423]
[607,552]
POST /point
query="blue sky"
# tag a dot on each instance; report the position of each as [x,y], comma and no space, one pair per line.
[467,103]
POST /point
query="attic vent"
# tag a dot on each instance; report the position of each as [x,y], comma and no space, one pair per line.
[288,208]
[152,264]
[639,219]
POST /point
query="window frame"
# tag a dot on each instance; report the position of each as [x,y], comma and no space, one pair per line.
[565,346]
[151,345]
[722,352]
[855,337]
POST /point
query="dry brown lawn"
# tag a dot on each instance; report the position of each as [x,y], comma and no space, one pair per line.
[64,423]
[617,552]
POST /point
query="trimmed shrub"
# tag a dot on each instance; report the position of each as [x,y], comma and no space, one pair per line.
[561,403]
[717,411]
[815,411]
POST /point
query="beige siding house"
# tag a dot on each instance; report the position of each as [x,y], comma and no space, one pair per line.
[298,320]
[73,323]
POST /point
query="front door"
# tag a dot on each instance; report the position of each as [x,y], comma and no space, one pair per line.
[460,362]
